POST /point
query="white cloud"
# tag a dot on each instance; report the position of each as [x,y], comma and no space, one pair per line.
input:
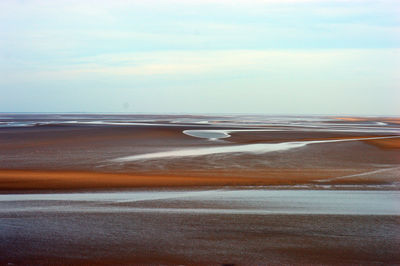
[201,47]
[197,63]
[354,81]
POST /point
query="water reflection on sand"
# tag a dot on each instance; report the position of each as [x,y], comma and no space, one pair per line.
[223,201]
[258,148]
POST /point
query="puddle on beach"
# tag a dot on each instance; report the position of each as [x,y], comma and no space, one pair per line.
[207,134]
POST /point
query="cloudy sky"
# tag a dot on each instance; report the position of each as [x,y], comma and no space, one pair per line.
[201,56]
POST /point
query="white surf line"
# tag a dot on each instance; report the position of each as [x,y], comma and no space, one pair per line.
[258,148]
[356,175]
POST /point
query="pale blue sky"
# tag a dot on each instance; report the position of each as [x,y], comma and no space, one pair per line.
[201,56]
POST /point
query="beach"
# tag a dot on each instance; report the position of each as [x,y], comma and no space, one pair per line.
[206,227]
[210,190]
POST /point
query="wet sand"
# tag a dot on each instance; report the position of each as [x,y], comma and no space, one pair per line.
[209,227]
[24,180]
[63,151]
[174,239]
[53,154]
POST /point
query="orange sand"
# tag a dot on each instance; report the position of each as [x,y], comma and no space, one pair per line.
[385,143]
[69,180]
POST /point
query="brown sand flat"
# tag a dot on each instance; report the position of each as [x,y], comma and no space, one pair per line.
[247,138]
[23,179]
[19,180]
[66,157]
[78,157]
[393,120]
[174,239]
[385,143]
[89,148]
[288,136]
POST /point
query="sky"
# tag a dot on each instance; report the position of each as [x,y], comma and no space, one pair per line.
[201,56]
